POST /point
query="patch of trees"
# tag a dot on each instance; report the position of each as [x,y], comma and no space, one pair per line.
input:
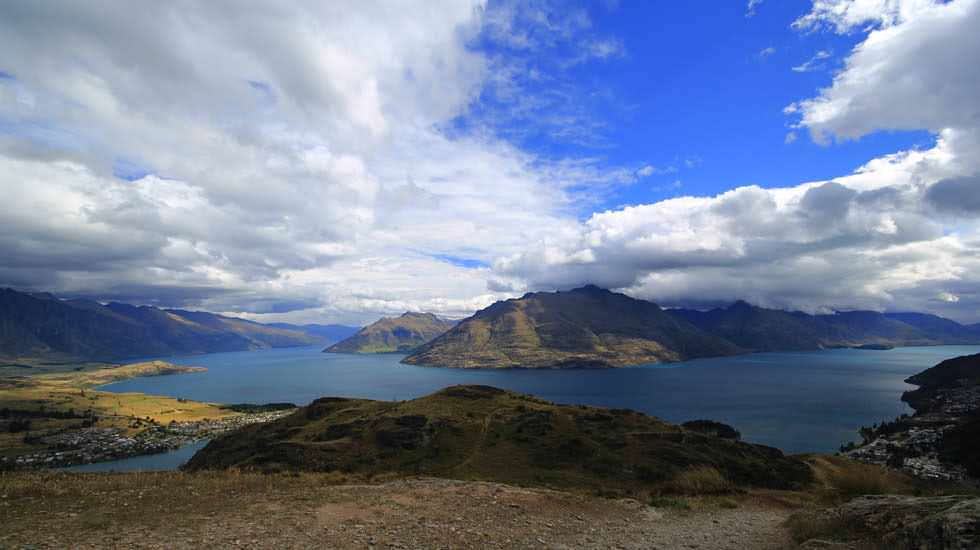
[17,425]
[6,413]
[250,408]
[711,427]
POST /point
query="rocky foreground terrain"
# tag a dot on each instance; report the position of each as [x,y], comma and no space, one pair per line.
[897,523]
[222,510]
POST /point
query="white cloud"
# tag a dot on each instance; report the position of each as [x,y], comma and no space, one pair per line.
[868,240]
[295,157]
[298,158]
[815,63]
[751,7]
[847,15]
[912,73]
[650,170]
[766,52]
[900,232]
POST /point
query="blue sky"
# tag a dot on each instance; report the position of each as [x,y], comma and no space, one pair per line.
[698,94]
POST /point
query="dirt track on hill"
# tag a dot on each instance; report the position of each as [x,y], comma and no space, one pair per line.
[184,511]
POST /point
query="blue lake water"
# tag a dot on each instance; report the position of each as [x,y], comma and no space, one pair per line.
[798,402]
[170,460]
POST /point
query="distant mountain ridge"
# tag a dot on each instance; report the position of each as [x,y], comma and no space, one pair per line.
[588,326]
[584,327]
[329,333]
[41,325]
[404,333]
[593,327]
[759,329]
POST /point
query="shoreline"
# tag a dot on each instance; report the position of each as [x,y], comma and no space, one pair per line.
[61,419]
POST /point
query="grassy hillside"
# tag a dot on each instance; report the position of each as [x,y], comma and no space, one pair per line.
[479,432]
[397,334]
[585,327]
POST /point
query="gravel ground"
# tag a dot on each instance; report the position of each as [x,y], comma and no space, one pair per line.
[417,513]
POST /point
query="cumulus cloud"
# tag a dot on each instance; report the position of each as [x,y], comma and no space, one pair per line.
[837,244]
[956,195]
[910,73]
[320,161]
[901,232]
[287,157]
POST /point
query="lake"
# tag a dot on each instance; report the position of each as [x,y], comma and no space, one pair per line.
[170,460]
[798,402]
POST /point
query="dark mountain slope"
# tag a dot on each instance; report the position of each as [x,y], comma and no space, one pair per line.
[756,328]
[855,328]
[42,326]
[588,327]
[939,328]
[759,329]
[260,335]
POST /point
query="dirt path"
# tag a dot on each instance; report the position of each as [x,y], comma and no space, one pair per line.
[421,513]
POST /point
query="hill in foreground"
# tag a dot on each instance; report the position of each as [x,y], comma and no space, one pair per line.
[484,433]
[584,327]
[394,334]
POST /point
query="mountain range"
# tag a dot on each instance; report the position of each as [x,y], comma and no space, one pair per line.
[593,327]
[585,327]
[394,334]
[759,329]
[41,325]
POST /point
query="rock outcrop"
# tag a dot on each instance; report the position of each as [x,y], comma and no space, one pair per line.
[903,523]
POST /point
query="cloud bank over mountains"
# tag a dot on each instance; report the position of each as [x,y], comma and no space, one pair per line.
[305,162]
[901,232]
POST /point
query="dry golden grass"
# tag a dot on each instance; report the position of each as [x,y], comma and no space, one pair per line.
[72,391]
[827,526]
[839,479]
[700,480]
